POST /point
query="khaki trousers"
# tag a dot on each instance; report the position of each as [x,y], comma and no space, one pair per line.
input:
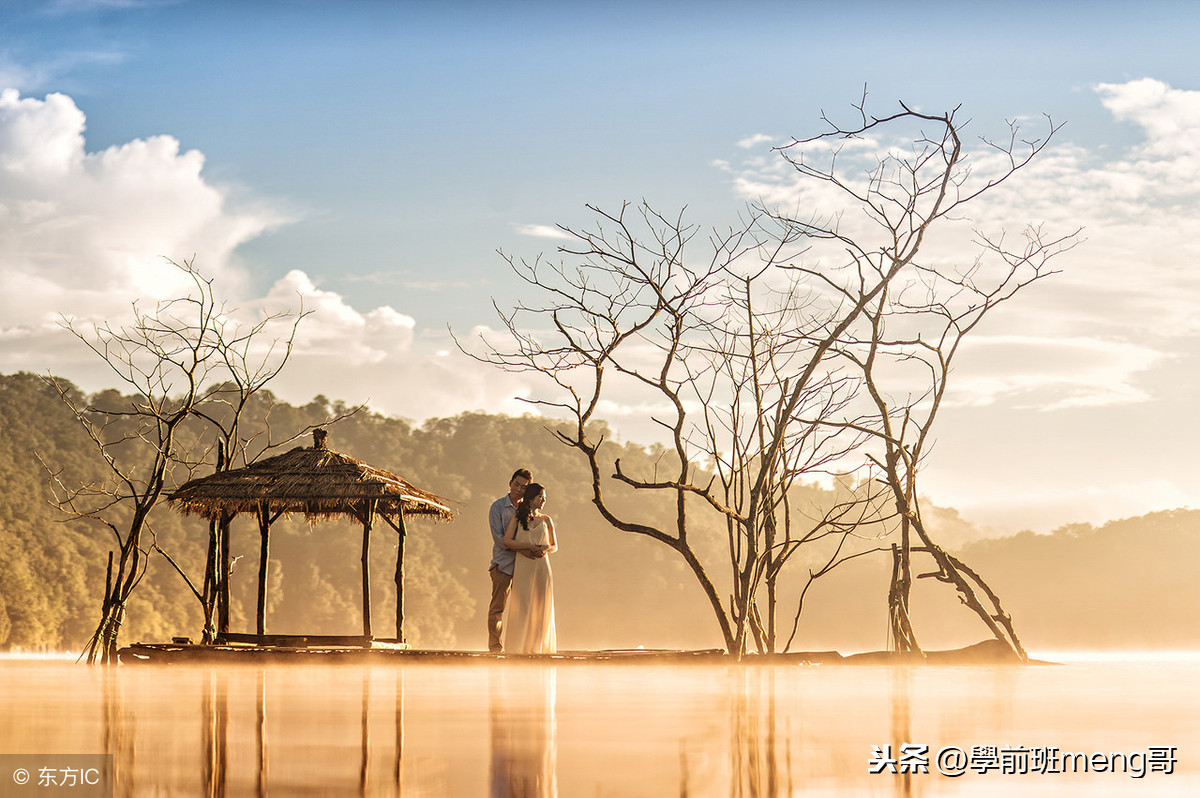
[501,582]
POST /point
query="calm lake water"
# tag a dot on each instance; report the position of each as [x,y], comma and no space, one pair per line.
[478,728]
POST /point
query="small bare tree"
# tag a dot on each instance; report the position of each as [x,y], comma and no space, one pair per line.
[178,358]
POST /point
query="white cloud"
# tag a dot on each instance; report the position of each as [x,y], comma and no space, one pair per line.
[43,71]
[84,235]
[540,231]
[1050,373]
[1130,284]
[753,141]
[14,74]
[1170,117]
[333,329]
[380,358]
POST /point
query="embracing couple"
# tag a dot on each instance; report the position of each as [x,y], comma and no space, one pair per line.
[522,539]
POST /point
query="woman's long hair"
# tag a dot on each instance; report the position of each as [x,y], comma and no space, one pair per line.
[525,507]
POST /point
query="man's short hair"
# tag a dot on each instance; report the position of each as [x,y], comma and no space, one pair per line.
[521,472]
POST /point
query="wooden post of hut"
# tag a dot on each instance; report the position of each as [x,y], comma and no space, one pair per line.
[212,568]
[223,569]
[264,548]
[368,517]
[401,534]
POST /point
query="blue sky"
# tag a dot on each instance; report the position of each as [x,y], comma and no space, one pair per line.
[375,155]
[411,134]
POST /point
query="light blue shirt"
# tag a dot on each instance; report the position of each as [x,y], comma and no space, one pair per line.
[498,517]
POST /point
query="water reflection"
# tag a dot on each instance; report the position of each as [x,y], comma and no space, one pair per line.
[902,722]
[398,759]
[755,766]
[365,727]
[221,733]
[215,719]
[253,721]
[118,732]
[260,732]
[524,750]
[522,729]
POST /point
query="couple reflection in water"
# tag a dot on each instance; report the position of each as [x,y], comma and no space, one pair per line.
[523,732]
[523,537]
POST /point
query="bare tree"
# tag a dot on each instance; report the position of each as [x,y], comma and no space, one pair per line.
[763,356]
[178,358]
[714,346]
[905,339]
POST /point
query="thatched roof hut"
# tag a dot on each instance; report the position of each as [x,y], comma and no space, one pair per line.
[320,483]
[315,481]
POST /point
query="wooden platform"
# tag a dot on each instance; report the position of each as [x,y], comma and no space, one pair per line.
[239,648]
[315,649]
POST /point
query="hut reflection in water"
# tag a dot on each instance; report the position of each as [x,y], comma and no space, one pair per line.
[256,741]
[238,760]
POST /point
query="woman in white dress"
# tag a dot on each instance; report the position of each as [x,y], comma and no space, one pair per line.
[529,628]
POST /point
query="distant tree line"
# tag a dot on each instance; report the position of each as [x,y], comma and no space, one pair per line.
[1127,583]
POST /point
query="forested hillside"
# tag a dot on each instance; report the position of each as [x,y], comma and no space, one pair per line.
[1126,583]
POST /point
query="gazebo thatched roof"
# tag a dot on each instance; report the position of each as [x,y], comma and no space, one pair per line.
[315,481]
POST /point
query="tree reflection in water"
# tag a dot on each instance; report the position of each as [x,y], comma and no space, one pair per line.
[755,766]
[748,755]
[902,721]
[215,725]
[118,732]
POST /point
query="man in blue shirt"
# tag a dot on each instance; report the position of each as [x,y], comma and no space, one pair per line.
[503,559]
